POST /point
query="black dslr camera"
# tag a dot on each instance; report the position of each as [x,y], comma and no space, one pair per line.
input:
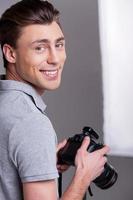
[67,156]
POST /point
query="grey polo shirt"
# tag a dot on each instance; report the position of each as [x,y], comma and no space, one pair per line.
[27,139]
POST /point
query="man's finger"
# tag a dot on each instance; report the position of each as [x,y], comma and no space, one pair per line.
[61,145]
[104,150]
[85,143]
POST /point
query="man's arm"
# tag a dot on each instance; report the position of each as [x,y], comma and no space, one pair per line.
[88,167]
[47,190]
[41,190]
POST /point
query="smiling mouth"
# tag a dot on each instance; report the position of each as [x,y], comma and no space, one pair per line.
[50,74]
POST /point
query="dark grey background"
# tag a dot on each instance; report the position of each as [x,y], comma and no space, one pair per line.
[79,101]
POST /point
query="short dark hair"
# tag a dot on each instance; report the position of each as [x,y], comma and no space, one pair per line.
[21,14]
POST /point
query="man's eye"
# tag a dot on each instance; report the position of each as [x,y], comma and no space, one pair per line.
[60,45]
[40,48]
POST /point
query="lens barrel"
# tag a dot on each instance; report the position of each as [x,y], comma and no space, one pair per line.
[107,178]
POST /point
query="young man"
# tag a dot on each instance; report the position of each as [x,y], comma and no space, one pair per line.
[33,47]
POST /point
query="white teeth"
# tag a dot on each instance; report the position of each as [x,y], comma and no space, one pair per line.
[51,73]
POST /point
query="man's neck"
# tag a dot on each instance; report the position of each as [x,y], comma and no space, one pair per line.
[11,75]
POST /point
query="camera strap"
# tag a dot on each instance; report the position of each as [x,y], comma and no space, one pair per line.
[60,185]
[90,191]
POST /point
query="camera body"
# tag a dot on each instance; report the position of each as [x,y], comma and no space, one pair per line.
[67,156]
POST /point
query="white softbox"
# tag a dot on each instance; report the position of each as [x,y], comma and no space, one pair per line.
[116,40]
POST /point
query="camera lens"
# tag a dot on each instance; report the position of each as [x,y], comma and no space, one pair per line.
[107,178]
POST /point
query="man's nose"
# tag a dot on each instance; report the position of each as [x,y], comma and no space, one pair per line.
[53,57]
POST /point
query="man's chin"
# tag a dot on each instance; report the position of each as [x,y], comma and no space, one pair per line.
[47,87]
[53,88]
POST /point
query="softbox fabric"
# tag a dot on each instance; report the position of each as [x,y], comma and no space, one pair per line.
[116,40]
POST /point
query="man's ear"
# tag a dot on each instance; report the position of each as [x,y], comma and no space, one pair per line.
[9,53]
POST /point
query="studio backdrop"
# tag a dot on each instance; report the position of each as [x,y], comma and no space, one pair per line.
[116,39]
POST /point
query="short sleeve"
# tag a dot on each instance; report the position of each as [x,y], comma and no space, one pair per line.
[32,148]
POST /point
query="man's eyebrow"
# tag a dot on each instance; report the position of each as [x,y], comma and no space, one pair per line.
[48,41]
[60,39]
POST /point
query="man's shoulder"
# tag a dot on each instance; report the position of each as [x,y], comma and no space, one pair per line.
[15,103]
[33,123]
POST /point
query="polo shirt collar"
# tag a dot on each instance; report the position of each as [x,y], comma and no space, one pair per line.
[26,88]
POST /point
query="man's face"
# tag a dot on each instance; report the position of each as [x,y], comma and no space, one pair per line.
[40,56]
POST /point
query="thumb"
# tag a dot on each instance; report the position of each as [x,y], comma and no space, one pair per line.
[61,144]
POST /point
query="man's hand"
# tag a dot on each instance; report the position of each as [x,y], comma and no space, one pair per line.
[62,168]
[90,165]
